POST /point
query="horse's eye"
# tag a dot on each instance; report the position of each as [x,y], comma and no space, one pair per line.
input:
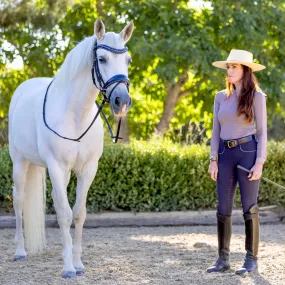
[102,60]
[129,61]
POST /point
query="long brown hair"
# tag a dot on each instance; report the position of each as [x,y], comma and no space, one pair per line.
[245,99]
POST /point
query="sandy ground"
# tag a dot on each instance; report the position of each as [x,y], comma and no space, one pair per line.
[147,255]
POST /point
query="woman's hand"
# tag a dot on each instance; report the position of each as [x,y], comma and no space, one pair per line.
[213,169]
[255,172]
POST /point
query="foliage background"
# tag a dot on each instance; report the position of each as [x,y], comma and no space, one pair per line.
[173,46]
[154,176]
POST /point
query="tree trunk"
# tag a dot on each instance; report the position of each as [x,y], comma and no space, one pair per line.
[173,95]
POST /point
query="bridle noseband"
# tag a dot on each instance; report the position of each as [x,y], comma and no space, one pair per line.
[102,86]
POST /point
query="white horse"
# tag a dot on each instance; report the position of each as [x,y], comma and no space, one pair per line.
[69,110]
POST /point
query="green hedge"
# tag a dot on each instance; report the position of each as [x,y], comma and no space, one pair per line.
[154,176]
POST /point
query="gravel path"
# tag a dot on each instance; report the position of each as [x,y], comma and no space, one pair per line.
[147,255]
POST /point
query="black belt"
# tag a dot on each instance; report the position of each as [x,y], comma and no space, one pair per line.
[234,143]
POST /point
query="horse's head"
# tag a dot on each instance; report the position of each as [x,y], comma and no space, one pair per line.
[112,65]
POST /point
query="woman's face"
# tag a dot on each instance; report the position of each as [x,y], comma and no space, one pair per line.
[235,73]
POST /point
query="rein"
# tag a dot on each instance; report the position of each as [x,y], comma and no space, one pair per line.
[102,86]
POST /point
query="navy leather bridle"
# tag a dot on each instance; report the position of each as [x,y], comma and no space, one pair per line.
[102,86]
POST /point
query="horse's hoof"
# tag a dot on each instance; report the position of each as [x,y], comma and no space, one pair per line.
[20,257]
[68,274]
[79,272]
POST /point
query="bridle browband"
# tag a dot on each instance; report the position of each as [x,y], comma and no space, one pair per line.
[102,86]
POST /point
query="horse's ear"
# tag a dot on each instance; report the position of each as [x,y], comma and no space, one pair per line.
[99,29]
[126,33]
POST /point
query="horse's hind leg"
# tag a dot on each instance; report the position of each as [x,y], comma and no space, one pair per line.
[20,168]
[79,212]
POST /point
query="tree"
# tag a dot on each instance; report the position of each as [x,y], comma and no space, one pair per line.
[29,30]
[173,46]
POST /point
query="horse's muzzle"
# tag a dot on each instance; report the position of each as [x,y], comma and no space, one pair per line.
[120,103]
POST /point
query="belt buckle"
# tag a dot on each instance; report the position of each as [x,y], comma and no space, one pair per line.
[232,144]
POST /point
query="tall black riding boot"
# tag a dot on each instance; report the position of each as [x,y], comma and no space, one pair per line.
[224,226]
[251,240]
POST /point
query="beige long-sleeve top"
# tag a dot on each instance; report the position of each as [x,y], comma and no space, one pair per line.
[227,125]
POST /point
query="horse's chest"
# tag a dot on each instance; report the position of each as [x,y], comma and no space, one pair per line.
[74,155]
[86,156]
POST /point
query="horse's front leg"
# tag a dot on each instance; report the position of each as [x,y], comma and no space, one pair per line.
[84,180]
[58,176]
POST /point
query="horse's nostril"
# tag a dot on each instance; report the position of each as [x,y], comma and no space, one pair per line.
[117,101]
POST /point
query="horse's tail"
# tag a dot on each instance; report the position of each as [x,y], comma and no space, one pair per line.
[34,208]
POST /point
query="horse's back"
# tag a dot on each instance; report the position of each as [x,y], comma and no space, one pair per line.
[25,110]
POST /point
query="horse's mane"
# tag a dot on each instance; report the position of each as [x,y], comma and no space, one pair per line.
[76,60]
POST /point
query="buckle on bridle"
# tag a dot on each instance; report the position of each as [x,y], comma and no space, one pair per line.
[232,144]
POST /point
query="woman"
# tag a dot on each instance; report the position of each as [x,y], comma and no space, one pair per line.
[239,138]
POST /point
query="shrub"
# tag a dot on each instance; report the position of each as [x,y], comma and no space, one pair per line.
[154,176]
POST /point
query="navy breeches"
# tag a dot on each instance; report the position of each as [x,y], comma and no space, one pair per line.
[228,176]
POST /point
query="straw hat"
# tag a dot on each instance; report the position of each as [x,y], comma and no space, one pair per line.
[242,57]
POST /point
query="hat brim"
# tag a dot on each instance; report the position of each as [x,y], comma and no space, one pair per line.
[254,66]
